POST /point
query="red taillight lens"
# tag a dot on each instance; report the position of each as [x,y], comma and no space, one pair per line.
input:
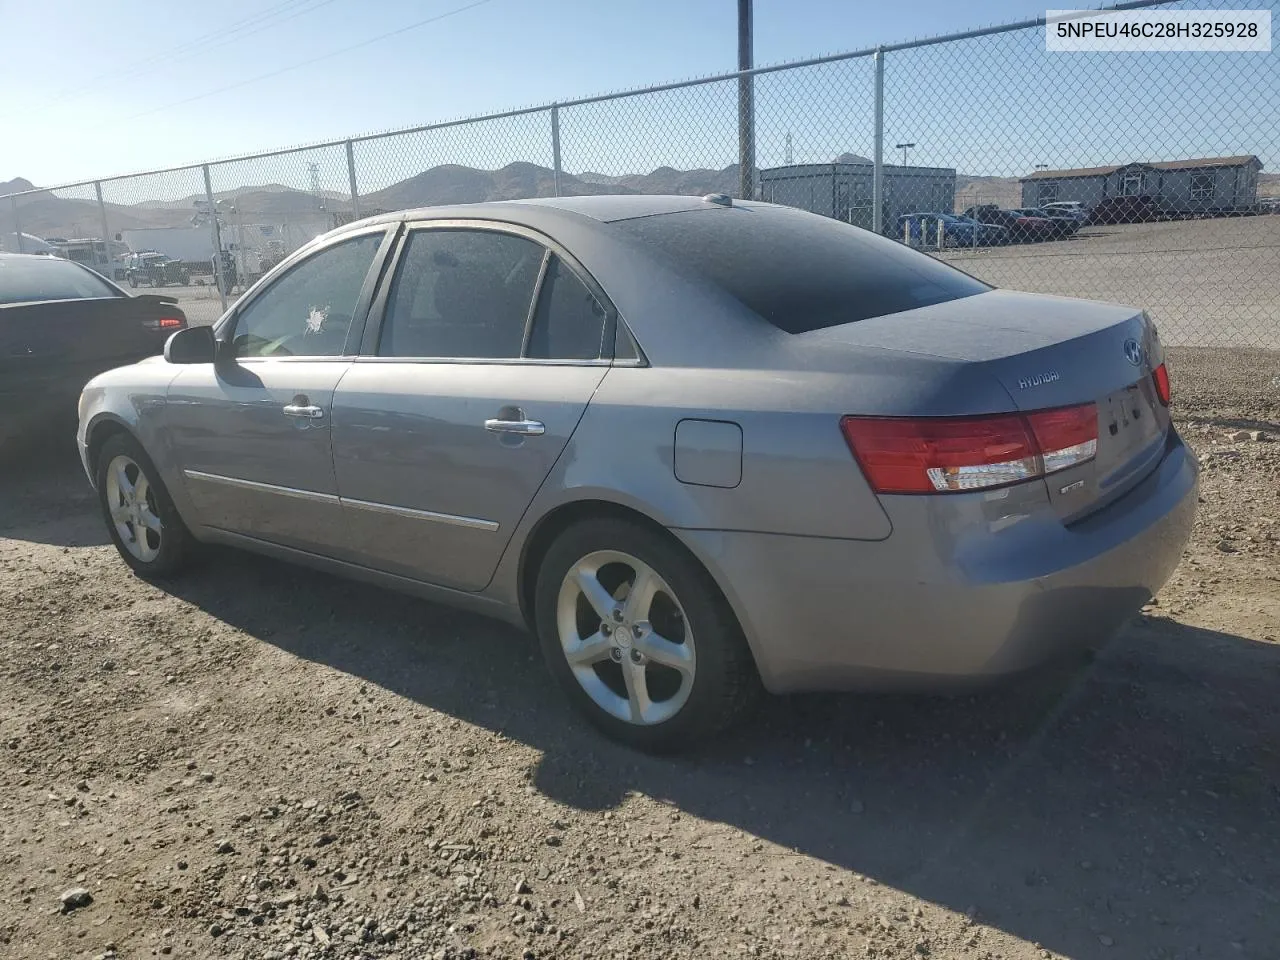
[164,323]
[1066,436]
[953,454]
[1160,375]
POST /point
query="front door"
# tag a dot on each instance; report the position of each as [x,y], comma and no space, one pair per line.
[442,439]
[253,436]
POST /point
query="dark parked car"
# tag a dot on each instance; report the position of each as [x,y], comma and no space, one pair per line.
[1064,224]
[62,324]
[1143,209]
[1022,229]
[156,270]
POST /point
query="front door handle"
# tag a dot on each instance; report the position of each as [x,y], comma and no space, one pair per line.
[310,411]
[521,428]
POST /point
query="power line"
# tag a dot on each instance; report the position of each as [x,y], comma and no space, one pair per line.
[307,63]
[238,30]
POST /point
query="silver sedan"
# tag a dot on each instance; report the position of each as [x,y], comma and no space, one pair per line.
[700,447]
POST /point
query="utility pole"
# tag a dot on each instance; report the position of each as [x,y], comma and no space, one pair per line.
[787,158]
[746,105]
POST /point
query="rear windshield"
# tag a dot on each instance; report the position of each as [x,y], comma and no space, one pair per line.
[28,279]
[798,271]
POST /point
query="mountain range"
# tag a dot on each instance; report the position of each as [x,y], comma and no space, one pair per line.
[46,215]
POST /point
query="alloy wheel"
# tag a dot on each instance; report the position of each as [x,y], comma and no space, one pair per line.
[626,638]
[132,505]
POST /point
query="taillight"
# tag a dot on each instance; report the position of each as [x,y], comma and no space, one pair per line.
[1066,436]
[1160,376]
[164,323]
[954,454]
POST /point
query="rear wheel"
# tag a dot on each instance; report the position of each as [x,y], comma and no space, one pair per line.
[143,523]
[639,637]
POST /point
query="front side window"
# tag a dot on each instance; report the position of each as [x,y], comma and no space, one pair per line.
[309,311]
[461,293]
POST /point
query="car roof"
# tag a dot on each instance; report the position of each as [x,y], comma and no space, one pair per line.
[606,208]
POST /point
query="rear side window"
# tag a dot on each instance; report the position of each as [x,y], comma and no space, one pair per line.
[799,271]
[461,293]
[28,279]
[569,321]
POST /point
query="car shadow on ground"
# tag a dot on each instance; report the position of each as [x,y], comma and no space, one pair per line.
[44,493]
[1129,803]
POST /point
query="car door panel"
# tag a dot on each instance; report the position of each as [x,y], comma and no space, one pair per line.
[248,466]
[428,490]
[252,433]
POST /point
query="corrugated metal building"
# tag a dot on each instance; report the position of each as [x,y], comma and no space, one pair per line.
[1205,185]
[842,190]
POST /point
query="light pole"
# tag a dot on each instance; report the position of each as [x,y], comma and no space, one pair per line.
[904,147]
[1042,166]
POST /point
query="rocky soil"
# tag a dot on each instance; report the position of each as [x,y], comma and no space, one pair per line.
[263,762]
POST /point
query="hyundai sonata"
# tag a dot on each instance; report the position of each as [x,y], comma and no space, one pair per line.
[699,446]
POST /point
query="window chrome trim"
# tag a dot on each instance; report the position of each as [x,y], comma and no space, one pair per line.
[452,519]
[495,361]
[260,486]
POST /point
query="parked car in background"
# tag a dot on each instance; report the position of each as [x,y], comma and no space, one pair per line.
[922,229]
[1021,228]
[62,323]
[860,466]
[1142,209]
[155,270]
[1073,207]
[1064,224]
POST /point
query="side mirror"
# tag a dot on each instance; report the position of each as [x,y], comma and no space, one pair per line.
[192,345]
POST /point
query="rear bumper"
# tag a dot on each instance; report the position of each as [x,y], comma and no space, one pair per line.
[967,587]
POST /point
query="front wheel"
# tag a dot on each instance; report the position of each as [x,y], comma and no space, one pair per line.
[143,523]
[639,637]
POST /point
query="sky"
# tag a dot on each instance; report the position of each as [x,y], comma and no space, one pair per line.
[92,89]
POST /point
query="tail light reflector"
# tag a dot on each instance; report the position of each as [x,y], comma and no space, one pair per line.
[954,454]
[1160,375]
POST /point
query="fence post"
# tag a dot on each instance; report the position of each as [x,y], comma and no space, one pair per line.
[351,176]
[106,227]
[17,223]
[555,147]
[217,237]
[746,104]
[877,170]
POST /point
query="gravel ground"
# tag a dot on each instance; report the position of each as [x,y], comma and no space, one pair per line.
[264,762]
[1208,283]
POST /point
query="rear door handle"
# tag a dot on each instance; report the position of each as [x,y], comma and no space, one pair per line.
[310,411]
[522,428]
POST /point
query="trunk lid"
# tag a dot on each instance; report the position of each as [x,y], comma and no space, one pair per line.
[1050,352]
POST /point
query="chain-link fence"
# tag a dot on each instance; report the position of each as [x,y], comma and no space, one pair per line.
[1133,177]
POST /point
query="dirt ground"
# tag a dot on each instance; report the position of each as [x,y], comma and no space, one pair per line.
[262,762]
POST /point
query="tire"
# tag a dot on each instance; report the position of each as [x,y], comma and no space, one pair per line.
[166,544]
[701,677]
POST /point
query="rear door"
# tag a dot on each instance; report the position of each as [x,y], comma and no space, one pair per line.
[488,351]
[253,435]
